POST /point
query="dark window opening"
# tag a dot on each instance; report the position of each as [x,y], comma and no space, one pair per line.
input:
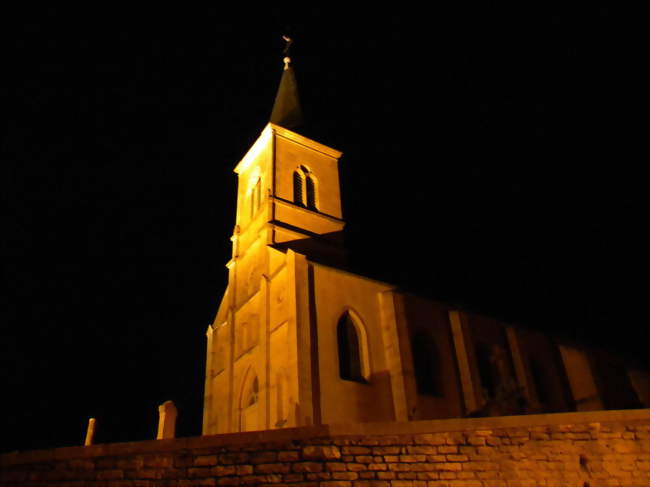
[486,371]
[349,352]
[615,386]
[311,193]
[426,363]
[537,371]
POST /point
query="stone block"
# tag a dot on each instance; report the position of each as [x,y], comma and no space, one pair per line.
[387,450]
[293,477]
[426,450]
[205,460]
[223,470]
[371,483]
[356,450]
[367,475]
[345,475]
[457,458]
[288,456]
[407,475]
[430,439]
[307,467]
[325,452]
[272,468]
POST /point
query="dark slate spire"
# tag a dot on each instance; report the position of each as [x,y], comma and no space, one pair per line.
[286,109]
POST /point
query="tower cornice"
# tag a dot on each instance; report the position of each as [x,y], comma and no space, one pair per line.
[265,137]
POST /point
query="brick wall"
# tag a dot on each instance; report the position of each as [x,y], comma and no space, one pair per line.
[608,448]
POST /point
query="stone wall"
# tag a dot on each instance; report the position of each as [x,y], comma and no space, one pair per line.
[588,449]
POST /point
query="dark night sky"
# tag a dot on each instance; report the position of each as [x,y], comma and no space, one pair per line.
[484,165]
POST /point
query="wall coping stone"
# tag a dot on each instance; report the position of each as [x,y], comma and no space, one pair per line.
[322,431]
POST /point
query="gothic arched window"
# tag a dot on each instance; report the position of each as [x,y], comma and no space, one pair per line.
[304,188]
[426,363]
[250,420]
[352,350]
[298,197]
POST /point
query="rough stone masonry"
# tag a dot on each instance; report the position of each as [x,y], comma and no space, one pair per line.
[602,448]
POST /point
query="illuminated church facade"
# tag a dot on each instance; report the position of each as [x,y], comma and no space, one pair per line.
[298,340]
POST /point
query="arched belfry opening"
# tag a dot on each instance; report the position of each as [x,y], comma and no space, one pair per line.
[305,188]
[352,348]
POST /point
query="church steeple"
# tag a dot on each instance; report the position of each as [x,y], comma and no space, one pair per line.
[286,109]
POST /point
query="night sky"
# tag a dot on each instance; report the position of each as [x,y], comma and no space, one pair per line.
[484,165]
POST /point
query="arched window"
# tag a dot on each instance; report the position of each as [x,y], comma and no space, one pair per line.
[298,197]
[254,393]
[249,420]
[304,188]
[352,350]
[426,364]
[311,192]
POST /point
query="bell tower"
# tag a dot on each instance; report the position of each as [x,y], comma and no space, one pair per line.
[289,191]
[258,373]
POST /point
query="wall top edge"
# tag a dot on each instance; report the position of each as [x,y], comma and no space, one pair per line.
[322,431]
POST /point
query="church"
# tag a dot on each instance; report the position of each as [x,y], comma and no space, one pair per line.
[298,340]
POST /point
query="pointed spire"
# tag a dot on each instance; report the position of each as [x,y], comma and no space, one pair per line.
[286,109]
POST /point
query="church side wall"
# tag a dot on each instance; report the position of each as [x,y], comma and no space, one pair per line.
[594,449]
[335,293]
[426,319]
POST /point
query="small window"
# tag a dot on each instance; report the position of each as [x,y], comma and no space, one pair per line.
[350,352]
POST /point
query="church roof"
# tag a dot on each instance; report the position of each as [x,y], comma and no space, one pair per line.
[286,109]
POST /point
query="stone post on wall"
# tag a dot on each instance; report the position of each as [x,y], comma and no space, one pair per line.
[90,432]
[167,414]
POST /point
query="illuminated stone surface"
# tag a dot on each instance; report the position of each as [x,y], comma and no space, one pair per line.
[167,414]
[276,354]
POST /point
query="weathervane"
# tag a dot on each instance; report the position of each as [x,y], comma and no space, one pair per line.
[287,59]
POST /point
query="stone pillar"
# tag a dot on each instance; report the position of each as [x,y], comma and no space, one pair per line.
[166,421]
[392,349]
[521,370]
[469,381]
[90,432]
[581,379]
[300,335]
[640,380]
[264,344]
[207,400]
